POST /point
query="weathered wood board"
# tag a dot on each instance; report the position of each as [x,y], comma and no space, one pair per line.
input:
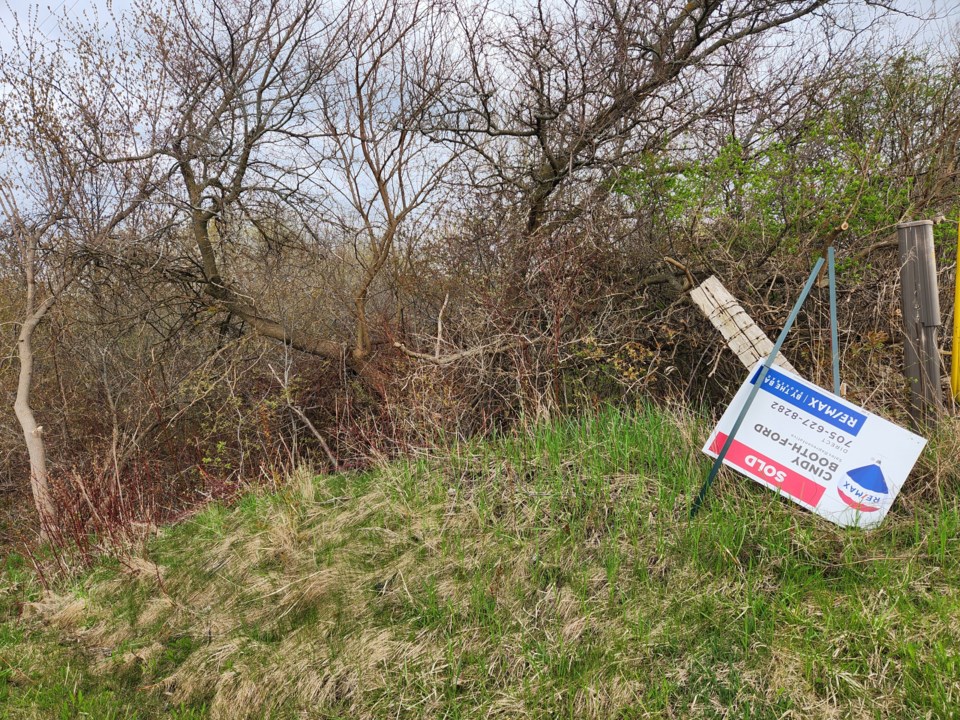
[744,337]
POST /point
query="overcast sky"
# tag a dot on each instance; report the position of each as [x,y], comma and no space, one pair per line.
[929,22]
[48,12]
[945,12]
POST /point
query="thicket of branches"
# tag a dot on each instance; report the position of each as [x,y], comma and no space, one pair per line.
[237,233]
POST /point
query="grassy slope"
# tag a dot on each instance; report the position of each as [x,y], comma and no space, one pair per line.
[554,575]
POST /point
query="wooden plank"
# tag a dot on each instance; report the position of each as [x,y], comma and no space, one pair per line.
[744,337]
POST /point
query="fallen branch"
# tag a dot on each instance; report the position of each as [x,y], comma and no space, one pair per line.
[442,360]
[887,243]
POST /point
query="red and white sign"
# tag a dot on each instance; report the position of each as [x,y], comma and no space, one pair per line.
[824,453]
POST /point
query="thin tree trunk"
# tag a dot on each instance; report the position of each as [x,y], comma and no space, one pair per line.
[32,432]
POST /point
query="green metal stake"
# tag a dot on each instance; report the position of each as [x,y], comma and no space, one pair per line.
[718,463]
[834,334]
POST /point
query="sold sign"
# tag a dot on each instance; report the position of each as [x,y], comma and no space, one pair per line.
[830,456]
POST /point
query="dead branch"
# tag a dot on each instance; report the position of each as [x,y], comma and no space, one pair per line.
[444,360]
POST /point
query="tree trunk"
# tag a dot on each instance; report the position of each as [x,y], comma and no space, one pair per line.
[358,359]
[33,433]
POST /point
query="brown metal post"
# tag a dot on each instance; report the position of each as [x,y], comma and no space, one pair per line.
[920,304]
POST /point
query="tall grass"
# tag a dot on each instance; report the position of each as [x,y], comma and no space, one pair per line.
[541,575]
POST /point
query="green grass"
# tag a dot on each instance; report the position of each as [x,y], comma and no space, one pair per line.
[547,575]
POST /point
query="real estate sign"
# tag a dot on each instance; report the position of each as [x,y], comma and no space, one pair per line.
[832,457]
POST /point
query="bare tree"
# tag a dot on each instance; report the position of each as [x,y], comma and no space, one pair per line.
[28,238]
[239,86]
[266,108]
[558,91]
[383,173]
[58,211]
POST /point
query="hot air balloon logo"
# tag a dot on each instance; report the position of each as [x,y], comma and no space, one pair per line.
[864,489]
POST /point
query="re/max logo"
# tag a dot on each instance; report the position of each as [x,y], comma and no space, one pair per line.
[812,401]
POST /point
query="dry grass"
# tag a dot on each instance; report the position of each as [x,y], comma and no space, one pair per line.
[547,576]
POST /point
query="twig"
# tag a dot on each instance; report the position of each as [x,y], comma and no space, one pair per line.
[306,421]
[316,434]
[446,299]
[680,266]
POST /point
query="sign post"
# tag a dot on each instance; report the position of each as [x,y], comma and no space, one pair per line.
[718,463]
[955,348]
[920,306]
